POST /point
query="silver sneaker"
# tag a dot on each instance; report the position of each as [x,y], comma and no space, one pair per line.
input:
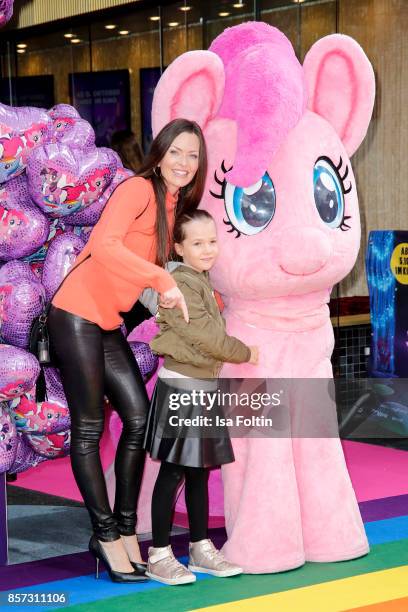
[204,557]
[163,566]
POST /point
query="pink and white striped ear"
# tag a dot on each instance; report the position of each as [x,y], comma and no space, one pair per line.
[192,88]
[341,87]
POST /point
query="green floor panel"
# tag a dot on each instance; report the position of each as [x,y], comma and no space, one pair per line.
[222,590]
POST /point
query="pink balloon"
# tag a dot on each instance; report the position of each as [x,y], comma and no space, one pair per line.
[60,258]
[91,214]
[23,228]
[21,300]
[19,371]
[21,131]
[63,180]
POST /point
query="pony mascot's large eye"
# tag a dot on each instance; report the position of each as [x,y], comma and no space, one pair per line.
[329,190]
[250,209]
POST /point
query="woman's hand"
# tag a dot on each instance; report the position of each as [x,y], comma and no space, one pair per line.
[174,298]
[254,358]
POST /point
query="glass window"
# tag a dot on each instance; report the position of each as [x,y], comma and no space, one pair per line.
[128,44]
[108,67]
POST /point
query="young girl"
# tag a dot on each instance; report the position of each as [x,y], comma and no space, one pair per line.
[192,351]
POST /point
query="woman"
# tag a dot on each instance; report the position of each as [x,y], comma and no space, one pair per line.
[125,253]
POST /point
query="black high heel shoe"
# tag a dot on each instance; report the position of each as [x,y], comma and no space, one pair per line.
[96,549]
[140,568]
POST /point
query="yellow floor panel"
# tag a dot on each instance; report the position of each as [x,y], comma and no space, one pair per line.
[335,596]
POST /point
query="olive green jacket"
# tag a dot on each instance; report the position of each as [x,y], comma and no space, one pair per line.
[198,348]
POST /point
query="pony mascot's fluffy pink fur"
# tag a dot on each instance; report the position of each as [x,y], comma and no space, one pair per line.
[282,191]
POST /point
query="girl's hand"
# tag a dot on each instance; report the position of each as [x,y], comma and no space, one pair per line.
[172,298]
[254,359]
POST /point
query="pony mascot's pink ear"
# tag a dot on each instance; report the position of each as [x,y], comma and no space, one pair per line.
[192,87]
[341,87]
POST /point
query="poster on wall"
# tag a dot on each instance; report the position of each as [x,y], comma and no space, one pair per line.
[387,279]
[379,411]
[149,78]
[35,91]
[103,99]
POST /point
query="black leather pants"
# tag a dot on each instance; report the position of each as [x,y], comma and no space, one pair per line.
[94,363]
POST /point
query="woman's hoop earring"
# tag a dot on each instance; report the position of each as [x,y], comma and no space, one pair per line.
[157,171]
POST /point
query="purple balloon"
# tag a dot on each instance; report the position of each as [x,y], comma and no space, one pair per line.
[17,269]
[146,359]
[19,371]
[50,446]
[23,228]
[62,180]
[26,457]
[63,110]
[53,383]
[57,227]
[22,130]
[6,11]
[37,268]
[69,129]
[21,300]
[83,232]
[39,417]
[60,258]
[8,439]
[91,214]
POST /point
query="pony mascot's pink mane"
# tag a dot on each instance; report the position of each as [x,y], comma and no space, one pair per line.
[265,98]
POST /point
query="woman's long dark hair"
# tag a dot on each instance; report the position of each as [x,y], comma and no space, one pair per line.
[189,196]
[125,143]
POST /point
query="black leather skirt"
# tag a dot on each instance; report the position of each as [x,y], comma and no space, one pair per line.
[185,427]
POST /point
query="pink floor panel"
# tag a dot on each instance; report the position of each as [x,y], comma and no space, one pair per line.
[376,472]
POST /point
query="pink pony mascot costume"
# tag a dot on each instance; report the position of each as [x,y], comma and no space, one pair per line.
[282,191]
